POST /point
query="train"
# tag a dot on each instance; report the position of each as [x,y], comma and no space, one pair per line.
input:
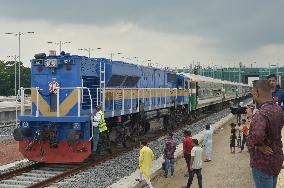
[65,90]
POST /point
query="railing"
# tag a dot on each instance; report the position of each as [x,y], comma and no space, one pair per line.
[117,99]
[158,97]
[21,96]
[79,99]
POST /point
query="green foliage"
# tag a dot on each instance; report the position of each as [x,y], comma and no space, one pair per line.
[7,77]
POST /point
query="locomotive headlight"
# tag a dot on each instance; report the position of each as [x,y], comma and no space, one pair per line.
[25,124]
[38,62]
[51,63]
[76,126]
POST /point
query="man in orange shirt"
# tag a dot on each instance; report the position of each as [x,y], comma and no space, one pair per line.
[245,131]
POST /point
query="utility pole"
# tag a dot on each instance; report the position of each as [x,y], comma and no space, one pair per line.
[240,65]
[19,38]
[60,43]
[89,50]
[15,76]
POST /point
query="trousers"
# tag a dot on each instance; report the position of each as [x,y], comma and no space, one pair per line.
[96,139]
[191,175]
[172,165]
[262,180]
[143,178]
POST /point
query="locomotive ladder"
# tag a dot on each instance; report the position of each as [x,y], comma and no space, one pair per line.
[102,84]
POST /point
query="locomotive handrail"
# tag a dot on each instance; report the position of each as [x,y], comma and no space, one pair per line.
[21,95]
[140,94]
[79,98]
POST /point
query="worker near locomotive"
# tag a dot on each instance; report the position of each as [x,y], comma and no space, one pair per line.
[125,98]
[100,129]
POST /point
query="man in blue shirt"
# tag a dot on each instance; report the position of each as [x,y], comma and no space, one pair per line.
[277,94]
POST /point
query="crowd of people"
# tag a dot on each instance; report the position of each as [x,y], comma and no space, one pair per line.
[260,131]
[192,153]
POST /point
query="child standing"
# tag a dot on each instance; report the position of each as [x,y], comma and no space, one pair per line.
[245,131]
[233,138]
[196,164]
[239,140]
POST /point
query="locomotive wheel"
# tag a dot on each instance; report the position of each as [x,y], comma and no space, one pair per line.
[141,128]
[108,143]
[104,142]
[123,140]
[166,123]
[172,120]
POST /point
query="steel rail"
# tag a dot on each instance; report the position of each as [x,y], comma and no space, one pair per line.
[17,172]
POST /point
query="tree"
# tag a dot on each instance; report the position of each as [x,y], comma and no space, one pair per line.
[7,77]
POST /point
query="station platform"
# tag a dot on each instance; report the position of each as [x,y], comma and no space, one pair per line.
[8,110]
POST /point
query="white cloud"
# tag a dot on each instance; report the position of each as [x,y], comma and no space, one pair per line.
[167,49]
[164,48]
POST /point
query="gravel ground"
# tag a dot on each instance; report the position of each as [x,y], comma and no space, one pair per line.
[109,172]
[9,151]
[19,165]
[6,132]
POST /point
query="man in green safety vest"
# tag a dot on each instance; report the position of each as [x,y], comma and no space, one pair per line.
[99,118]
[99,124]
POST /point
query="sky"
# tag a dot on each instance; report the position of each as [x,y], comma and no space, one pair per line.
[169,33]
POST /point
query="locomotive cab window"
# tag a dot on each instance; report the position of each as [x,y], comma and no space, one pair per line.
[186,85]
[179,84]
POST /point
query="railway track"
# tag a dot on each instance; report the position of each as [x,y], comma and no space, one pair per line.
[42,175]
[7,124]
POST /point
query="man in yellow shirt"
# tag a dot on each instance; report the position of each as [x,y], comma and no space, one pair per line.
[145,163]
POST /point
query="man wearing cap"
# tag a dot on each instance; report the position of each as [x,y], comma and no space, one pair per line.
[99,124]
[187,147]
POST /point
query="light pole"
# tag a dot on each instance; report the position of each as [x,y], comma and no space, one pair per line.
[15,76]
[147,60]
[60,43]
[89,50]
[113,54]
[240,66]
[19,38]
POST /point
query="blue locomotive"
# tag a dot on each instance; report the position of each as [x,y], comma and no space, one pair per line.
[65,90]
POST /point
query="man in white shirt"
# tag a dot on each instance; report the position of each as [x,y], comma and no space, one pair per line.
[196,164]
[208,143]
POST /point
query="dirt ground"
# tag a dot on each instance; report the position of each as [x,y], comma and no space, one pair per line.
[226,170]
[9,151]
